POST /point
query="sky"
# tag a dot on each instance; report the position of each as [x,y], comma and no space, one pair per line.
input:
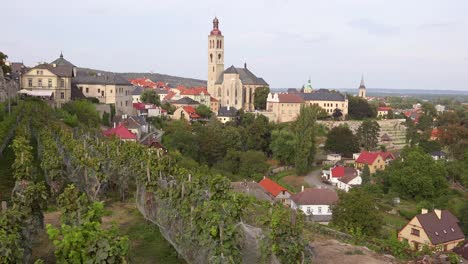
[405,44]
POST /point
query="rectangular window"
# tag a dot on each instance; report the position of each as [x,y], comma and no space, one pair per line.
[98,90]
[320,210]
[62,83]
[49,83]
[62,95]
[29,82]
[81,88]
[126,103]
[87,90]
[39,82]
[414,232]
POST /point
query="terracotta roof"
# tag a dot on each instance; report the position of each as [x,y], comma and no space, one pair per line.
[121,132]
[143,82]
[341,171]
[194,91]
[169,95]
[251,188]
[289,98]
[386,155]
[271,186]
[384,109]
[367,157]
[315,197]
[191,112]
[441,230]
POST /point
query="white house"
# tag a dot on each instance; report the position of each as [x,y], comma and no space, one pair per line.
[315,203]
[439,155]
[334,157]
[344,177]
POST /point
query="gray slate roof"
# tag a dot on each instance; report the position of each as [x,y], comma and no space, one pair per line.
[62,62]
[186,101]
[322,95]
[246,76]
[223,111]
[88,76]
[137,91]
[61,71]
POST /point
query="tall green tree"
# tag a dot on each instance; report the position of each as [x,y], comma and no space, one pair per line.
[366,176]
[260,97]
[149,96]
[258,134]
[85,111]
[283,143]
[5,68]
[359,108]
[341,139]
[368,134]
[305,139]
[355,213]
[204,111]
[416,175]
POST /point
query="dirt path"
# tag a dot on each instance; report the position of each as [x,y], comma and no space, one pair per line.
[313,178]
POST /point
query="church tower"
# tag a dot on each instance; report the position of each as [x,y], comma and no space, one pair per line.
[362,88]
[215,58]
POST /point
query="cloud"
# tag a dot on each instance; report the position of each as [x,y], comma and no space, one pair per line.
[438,26]
[373,27]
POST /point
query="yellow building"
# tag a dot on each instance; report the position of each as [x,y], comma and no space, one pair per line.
[52,80]
[108,88]
[374,160]
[234,87]
[286,106]
[439,230]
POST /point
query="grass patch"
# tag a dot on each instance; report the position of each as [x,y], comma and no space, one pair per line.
[289,180]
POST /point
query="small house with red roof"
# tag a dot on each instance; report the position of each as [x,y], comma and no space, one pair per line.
[214,105]
[383,111]
[344,177]
[373,160]
[439,230]
[143,82]
[120,132]
[276,191]
[186,112]
[315,203]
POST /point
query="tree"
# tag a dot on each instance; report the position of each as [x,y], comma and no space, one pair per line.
[359,108]
[337,114]
[305,139]
[412,135]
[355,213]
[260,97]
[429,146]
[85,111]
[390,114]
[258,135]
[106,119]
[282,146]
[5,68]
[455,137]
[341,139]
[149,96]
[253,164]
[416,175]
[204,111]
[368,134]
[366,176]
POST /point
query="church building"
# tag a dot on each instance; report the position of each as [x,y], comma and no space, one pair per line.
[233,87]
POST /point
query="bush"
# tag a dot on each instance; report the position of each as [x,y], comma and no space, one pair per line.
[407,214]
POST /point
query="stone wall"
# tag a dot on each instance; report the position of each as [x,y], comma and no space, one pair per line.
[8,88]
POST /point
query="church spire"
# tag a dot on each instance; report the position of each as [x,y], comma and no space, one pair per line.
[215,30]
[362,82]
[61,54]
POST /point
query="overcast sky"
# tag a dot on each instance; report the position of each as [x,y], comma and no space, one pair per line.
[410,44]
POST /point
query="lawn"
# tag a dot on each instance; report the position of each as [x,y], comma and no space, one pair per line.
[289,180]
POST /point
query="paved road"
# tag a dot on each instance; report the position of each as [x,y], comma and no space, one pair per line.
[313,178]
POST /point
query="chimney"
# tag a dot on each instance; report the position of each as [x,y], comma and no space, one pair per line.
[264,177]
[302,188]
[423,211]
[245,65]
[438,212]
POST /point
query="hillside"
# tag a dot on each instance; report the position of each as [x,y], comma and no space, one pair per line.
[172,80]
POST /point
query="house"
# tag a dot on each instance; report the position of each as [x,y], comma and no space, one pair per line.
[50,80]
[252,189]
[162,93]
[344,177]
[187,112]
[227,114]
[315,203]
[214,105]
[375,160]
[143,82]
[120,132]
[136,124]
[440,108]
[383,111]
[186,101]
[136,94]
[148,110]
[153,142]
[277,192]
[334,157]
[107,87]
[439,230]
[439,155]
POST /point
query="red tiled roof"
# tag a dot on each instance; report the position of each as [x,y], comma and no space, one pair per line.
[193,91]
[386,155]
[384,108]
[435,133]
[315,197]
[139,106]
[121,132]
[271,186]
[144,82]
[341,171]
[289,98]
[191,111]
[367,157]
[169,95]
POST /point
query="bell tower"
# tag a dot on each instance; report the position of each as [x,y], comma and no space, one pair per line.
[215,58]
[362,88]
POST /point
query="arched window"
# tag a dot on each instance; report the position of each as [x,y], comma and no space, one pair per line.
[213,68]
[235,92]
[219,56]
[227,92]
[219,91]
[220,44]
[211,57]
